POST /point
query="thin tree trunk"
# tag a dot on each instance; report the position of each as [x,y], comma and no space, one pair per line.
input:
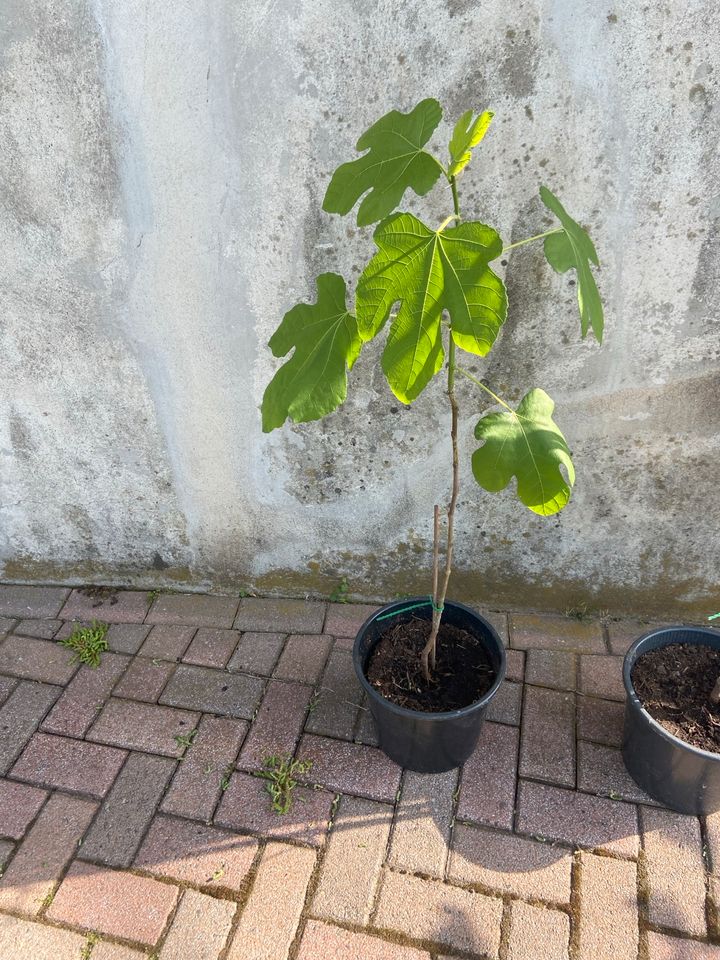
[429,650]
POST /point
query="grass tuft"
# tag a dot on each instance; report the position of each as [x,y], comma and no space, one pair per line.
[88,643]
[281,773]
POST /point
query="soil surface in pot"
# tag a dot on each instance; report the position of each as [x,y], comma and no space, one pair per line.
[674,685]
[462,674]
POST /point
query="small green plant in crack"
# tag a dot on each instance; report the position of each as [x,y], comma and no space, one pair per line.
[281,774]
[152,595]
[340,593]
[88,643]
[87,947]
[185,740]
[314,702]
[579,612]
[227,774]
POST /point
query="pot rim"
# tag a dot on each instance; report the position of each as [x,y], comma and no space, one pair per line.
[636,703]
[424,714]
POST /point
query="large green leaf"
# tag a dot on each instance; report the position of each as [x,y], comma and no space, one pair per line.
[395,161]
[429,271]
[314,380]
[526,444]
[467,134]
[574,248]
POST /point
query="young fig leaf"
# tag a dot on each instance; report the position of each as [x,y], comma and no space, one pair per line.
[429,271]
[574,248]
[313,381]
[394,162]
[467,134]
[526,444]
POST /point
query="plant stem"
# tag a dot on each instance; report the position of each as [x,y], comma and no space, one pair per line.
[538,236]
[429,650]
[487,390]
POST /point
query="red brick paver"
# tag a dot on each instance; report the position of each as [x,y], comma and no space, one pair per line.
[126,637]
[213,691]
[144,726]
[123,606]
[421,834]
[198,610]
[547,749]
[49,846]
[199,929]
[280,616]
[257,653]
[19,717]
[270,919]
[23,602]
[551,668]
[303,657]
[577,818]
[487,786]
[506,705]
[22,940]
[537,933]
[600,720]
[211,648]
[19,804]
[509,864]
[246,806]
[196,854]
[673,852]
[350,767]
[345,619]
[545,632]
[84,697]
[322,942]
[167,641]
[205,768]
[278,724]
[608,923]
[661,947]
[602,677]
[144,680]
[351,868]
[40,629]
[69,764]
[114,903]
[339,695]
[42,660]
[128,809]
[432,911]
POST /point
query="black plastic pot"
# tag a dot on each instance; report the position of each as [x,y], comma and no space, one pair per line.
[427,742]
[677,774]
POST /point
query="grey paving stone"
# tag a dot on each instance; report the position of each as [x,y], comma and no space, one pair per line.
[115,835]
[213,691]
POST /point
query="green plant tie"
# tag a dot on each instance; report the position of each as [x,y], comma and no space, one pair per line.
[413,606]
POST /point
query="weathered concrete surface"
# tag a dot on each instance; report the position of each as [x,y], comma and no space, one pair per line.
[161,171]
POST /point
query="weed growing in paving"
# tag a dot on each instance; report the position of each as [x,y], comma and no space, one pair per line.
[227,774]
[88,643]
[87,949]
[185,740]
[340,593]
[280,773]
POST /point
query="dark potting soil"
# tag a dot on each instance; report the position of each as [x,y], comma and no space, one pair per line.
[462,674]
[674,685]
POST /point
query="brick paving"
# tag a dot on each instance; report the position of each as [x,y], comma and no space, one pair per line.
[132,823]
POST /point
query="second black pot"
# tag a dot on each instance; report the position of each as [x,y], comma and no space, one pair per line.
[677,774]
[428,742]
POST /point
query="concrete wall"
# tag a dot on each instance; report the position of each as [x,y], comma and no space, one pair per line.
[161,172]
